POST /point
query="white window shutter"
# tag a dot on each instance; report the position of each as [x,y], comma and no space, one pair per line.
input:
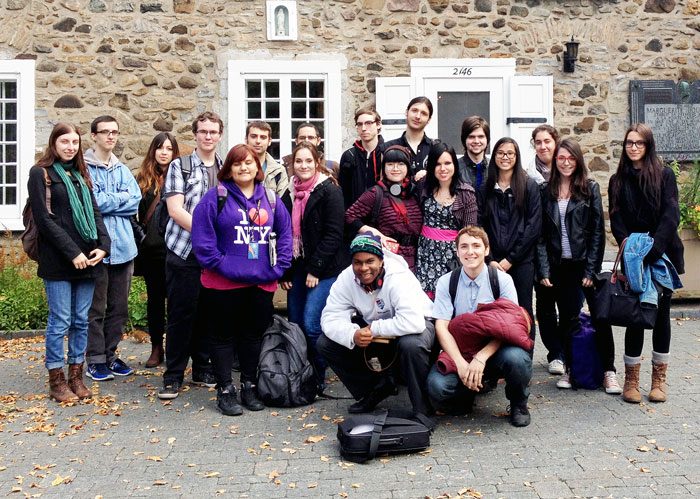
[531,104]
[392,97]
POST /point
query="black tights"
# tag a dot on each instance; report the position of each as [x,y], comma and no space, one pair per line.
[661,334]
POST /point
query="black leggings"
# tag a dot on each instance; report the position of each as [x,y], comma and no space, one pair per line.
[661,334]
[237,320]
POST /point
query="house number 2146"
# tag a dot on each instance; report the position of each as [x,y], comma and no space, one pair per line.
[461,71]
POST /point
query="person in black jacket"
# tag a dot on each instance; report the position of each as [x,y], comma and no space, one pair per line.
[644,198]
[150,263]
[319,255]
[73,240]
[569,254]
[510,211]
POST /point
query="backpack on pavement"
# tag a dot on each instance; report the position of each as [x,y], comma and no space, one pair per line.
[586,368]
[286,378]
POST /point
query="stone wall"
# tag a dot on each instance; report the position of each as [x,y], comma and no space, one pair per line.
[156,64]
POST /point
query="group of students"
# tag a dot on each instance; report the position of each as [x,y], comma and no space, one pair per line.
[363,248]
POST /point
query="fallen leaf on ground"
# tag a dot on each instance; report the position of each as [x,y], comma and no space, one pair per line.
[157,459]
[211,474]
[314,439]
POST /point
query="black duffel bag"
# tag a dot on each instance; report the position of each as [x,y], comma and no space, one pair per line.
[617,304]
[363,436]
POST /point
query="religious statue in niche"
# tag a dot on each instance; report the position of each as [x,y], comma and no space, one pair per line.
[281,20]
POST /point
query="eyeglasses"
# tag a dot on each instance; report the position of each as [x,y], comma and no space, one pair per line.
[108,133]
[639,144]
[211,133]
[505,154]
[363,124]
[308,138]
[566,159]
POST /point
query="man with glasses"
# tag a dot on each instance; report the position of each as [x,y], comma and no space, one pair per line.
[258,135]
[117,195]
[361,165]
[188,178]
[308,132]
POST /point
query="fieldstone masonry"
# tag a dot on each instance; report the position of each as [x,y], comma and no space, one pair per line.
[156,64]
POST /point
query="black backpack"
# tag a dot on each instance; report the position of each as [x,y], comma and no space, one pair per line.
[285,375]
[30,236]
[493,281]
[391,431]
[161,215]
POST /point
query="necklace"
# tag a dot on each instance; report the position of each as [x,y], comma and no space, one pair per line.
[445,199]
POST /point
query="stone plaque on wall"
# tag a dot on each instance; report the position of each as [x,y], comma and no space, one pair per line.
[672,110]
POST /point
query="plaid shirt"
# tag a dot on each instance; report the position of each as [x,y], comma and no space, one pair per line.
[177,239]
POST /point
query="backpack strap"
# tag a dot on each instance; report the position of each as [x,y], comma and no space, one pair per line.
[454,281]
[47,188]
[186,167]
[272,199]
[493,280]
[377,207]
[379,421]
[277,178]
[221,195]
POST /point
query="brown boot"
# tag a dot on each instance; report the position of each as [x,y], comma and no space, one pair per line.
[630,391]
[75,381]
[658,383]
[157,356]
[59,388]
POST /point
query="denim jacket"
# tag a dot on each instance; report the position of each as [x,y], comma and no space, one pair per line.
[117,195]
[640,276]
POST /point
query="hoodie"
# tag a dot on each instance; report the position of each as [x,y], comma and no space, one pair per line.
[221,240]
[399,307]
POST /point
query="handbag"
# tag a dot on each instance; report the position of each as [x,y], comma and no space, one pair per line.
[616,303]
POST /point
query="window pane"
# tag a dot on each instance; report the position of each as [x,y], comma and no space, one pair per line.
[10,195]
[254,111]
[10,132]
[298,88]
[10,174]
[10,153]
[253,89]
[2,196]
[275,129]
[10,111]
[274,150]
[319,125]
[316,109]
[299,110]
[272,89]
[10,89]
[316,89]
[272,109]
[452,108]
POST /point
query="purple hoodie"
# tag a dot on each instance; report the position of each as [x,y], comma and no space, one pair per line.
[220,240]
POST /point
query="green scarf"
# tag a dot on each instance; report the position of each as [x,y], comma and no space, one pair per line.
[83,216]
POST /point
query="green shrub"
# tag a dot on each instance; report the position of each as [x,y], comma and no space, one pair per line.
[22,300]
[137,305]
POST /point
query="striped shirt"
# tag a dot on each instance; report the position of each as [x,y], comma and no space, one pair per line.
[565,246]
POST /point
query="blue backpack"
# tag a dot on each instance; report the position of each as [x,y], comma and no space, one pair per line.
[586,367]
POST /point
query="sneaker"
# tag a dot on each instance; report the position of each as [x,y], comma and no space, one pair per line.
[170,391]
[227,401]
[556,367]
[519,414]
[119,368]
[99,372]
[204,379]
[370,401]
[564,382]
[610,383]
[249,397]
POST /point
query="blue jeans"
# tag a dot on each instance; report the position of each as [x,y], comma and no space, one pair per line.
[304,307]
[69,302]
[446,391]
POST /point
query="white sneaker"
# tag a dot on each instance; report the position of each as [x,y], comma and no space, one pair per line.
[556,367]
[564,382]
[610,383]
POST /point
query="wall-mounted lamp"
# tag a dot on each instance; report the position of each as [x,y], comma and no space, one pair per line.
[570,56]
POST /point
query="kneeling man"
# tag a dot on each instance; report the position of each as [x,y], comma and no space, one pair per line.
[375,299]
[449,392]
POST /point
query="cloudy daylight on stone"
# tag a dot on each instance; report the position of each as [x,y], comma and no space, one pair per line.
[367,248]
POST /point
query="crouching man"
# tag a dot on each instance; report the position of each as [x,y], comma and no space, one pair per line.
[494,354]
[375,299]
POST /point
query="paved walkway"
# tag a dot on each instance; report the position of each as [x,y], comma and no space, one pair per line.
[127,442]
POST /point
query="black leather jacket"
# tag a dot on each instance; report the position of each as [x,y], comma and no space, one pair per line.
[586,229]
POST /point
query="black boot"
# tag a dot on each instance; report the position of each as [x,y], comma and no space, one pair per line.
[249,397]
[227,401]
[367,403]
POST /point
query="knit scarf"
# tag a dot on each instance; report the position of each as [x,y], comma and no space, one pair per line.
[397,203]
[302,191]
[83,216]
[542,168]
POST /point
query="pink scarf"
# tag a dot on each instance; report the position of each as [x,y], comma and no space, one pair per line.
[302,191]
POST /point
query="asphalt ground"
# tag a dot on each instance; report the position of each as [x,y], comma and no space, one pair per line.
[126,442]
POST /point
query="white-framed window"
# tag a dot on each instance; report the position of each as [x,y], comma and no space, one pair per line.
[16,138]
[285,94]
